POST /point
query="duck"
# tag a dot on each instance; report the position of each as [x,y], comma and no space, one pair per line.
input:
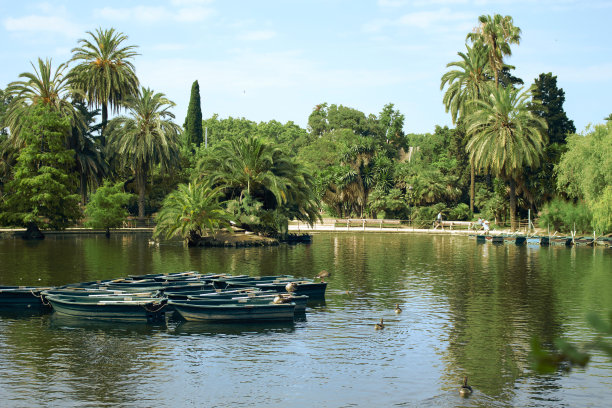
[322,275]
[379,326]
[278,299]
[398,310]
[291,287]
[465,389]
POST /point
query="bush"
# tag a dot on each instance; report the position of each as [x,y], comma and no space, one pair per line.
[561,215]
[461,212]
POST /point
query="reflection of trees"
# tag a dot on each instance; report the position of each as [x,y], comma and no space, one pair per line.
[78,363]
[500,301]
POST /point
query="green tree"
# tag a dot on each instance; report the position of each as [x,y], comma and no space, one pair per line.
[145,140]
[193,121]
[541,184]
[90,161]
[253,168]
[191,212]
[496,33]
[505,136]
[106,209]
[44,86]
[392,126]
[550,108]
[585,172]
[466,84]
[104,71]
[43,187]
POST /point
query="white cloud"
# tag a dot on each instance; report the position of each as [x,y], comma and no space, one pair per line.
[260,35]
[190,2]
[45,24]
[148,14]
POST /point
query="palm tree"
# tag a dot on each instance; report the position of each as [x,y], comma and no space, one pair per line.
[505,137]
[105,73]
[466,84]
[496,34]
[147,139]
[252,170]
[43,86]
[191,211]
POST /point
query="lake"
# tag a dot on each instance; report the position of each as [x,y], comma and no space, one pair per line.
[468,309]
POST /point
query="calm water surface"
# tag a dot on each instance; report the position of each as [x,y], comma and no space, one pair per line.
[468,309]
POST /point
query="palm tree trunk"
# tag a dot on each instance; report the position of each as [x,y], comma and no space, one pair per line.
[104,120]
[512,205]
[83,189]
[472,185]
[140,181]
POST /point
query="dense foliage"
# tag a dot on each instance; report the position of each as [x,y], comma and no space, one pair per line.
[107,207]
[346,163]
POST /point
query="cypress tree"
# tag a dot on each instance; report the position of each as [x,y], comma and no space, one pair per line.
[193,121]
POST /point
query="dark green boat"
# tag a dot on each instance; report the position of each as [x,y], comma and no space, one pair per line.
[204,311]
[112,308]
[22,297]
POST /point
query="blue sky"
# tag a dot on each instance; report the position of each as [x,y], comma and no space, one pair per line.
[267,59]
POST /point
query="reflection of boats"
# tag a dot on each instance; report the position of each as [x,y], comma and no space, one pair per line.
[119,308]
[249,310]
[233,328]
[61,321]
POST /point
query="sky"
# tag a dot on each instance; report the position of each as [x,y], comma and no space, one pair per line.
[276,60]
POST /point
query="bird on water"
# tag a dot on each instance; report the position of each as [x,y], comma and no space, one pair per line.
[379,326]
[322,275]
[398,310]
[465,389]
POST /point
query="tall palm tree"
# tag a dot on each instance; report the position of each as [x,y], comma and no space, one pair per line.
[105,72]
[43,86]
[496,33]
[466,83]
[146,139]
[505,137]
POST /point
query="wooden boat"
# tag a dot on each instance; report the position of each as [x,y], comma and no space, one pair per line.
[515,239]
[115,308]
[314,290]
[553,240]
[202,310]
[583,241]
[495,239]
[262,296]
[22,297]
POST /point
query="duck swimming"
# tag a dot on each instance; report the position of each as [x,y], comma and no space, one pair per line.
[322,275]
[465,389]
[397,309]
[379,326]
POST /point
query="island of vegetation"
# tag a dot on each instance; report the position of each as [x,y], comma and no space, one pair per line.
[64,161]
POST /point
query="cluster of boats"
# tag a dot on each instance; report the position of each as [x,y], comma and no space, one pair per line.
[194,297]
[543,240]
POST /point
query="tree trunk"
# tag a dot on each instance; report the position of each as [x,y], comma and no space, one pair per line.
[512,205]
[140,181]
[104,120]
[472,185]
[83,189]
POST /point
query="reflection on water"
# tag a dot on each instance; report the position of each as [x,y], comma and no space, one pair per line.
[468,309]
